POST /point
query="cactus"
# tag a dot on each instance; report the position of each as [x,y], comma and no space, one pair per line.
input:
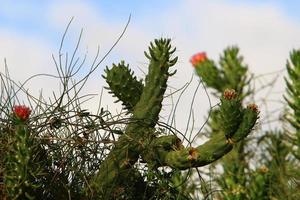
[229,119]
[21,158]
[293,98]
[140,137]
[276,175]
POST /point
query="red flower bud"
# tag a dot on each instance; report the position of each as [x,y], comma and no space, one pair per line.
[253,107]
[229,94]
[198,58]
[22,112]
[193,154]
[263,169]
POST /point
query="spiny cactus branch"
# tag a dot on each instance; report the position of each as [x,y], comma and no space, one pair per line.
[124,85]
[144,117]
[232,73]
[293,89]
[183,158]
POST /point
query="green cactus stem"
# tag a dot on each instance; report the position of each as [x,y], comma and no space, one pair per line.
[230,113]
[144,117]
[124,85]
[20,167]
[232,73]
[209,73]
[293,99]
[293,89]
[233,69]
[212,150]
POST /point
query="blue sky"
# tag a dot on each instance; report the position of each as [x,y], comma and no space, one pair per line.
[30,31]
[29,17]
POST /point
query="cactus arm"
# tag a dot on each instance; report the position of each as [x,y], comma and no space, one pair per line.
[292,98]
[232,73]
[230,113]
[212,150]
[293,90]
[204,154]
[233,69]
[149,106]
[209,73]
[124,85]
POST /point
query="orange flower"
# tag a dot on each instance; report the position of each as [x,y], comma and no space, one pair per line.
[22,112]
[198,58]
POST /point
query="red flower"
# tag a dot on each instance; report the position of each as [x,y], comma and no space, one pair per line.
[22,112]
[198,58]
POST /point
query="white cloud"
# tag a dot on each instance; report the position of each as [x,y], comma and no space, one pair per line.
[26,56]
[263,32]
[97,31]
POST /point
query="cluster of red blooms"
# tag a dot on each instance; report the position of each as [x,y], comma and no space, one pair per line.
[22,112]
[198,58]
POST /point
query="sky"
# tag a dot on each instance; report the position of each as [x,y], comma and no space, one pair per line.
[31,31]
